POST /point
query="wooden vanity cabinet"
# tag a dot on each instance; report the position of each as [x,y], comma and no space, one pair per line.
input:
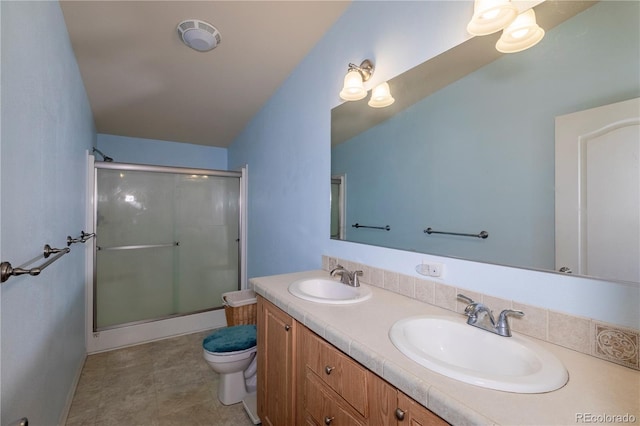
[336,390]
[276,362]
[390,406]
[304,380]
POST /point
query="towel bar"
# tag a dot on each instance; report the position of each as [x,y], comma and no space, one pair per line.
[386,228]
[7,271]
[483,234]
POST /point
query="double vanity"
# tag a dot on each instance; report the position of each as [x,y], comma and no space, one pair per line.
[396,360]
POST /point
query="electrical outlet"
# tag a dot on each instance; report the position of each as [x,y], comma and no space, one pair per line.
[432,269]
[435,269]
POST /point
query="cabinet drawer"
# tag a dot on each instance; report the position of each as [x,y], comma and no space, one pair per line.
[338,371]
[323,407]
[416,414]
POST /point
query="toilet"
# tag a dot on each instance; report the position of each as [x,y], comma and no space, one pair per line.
[231,352]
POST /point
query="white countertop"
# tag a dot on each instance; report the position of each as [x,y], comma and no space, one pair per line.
[595,387]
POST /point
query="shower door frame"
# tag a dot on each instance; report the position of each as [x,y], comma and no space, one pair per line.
[153,329]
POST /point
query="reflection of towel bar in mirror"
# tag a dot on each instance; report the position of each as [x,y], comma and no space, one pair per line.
[483,234]
[386,228]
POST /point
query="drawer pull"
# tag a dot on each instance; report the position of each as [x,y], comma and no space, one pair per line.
[287,327]
[328,420]
[399,414]
[328,369]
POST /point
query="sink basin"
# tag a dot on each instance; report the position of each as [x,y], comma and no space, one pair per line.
[322,290]
[451,347]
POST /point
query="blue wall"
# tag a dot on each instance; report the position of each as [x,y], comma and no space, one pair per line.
[460,160]
[287,149]
[125,149]
[287,144]
[47,128]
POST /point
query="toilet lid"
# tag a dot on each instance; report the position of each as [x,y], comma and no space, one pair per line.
[231,339]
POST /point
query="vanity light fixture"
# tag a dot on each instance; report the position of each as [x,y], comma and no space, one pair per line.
[520,31]
[490,16]
[521,34]
[353,88]
[381,96]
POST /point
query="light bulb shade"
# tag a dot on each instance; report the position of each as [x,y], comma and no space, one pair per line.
[199,40]
[521,34]
[353,89]
[381,96]
[490,16]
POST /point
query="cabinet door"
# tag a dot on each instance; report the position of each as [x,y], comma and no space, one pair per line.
[413,414]
[276,352]
[383,402]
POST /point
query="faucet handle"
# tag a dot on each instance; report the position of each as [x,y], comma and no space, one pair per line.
[503,314]
[466,299]
[502,326]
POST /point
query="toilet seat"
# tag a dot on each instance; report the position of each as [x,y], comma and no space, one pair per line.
[228,357]
[231,340]
[231,354]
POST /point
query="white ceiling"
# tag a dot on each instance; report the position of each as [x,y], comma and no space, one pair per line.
[142,81]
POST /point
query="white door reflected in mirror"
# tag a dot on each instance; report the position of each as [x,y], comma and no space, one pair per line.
[598,191]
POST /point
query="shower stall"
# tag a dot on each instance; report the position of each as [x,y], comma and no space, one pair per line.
[167,246]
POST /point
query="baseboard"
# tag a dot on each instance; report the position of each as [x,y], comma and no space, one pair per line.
[72,391]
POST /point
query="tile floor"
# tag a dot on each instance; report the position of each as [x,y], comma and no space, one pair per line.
[162,383]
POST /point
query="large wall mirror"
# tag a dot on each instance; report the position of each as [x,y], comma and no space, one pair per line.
[470,146]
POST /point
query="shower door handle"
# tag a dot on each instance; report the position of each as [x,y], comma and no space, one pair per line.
[146,246]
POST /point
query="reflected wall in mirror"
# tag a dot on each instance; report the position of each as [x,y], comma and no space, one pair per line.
[479,154]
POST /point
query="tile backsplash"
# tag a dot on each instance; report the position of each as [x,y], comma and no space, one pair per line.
[609,342]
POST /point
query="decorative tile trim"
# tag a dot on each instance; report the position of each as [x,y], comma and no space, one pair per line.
[616,345]
[608,342]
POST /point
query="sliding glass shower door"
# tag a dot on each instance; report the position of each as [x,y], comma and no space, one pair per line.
[167,242]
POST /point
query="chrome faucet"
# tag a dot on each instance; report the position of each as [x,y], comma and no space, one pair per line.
[480,316]
[346,277]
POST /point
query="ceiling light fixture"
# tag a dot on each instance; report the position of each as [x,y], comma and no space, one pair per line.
[199,35]
[381,96]
[521,34]
[353,88]
[490,16]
